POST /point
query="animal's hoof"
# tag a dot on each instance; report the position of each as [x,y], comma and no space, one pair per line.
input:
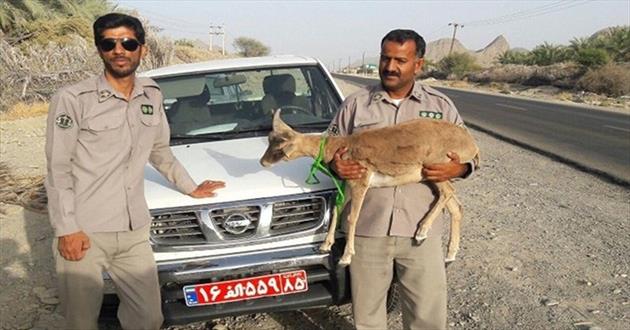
[420,238]
[325,247]
[345,260]
[449,260]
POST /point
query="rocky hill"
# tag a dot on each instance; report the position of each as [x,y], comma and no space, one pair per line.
[438,49]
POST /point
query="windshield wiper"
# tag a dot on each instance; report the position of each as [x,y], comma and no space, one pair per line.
[214,136]
[316,125]
[247,132]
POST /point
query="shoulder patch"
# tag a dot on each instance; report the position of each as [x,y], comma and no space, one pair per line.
[64,121]
[333,130]
[146,109]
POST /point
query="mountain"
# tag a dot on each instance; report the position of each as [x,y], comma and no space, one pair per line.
[438,49]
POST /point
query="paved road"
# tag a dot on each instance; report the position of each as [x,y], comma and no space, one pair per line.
[590,139]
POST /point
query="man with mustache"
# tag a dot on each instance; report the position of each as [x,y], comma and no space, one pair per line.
[101,132]
[389,217]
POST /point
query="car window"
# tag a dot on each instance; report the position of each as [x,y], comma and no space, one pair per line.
[242,101]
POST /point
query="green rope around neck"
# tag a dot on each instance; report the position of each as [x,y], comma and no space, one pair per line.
[318,165]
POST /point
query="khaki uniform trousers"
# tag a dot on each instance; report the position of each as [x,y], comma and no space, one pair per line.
[420,270]
[128,259]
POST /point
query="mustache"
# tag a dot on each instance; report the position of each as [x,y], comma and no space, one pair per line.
[391,73]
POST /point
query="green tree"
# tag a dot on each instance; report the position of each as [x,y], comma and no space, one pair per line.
[591,57]
[185,43]
[46,20]
[458,64]
[514,57]
[250,47]
[616,42]
[547,54]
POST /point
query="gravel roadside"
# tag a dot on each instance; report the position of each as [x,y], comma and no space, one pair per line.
[544,246]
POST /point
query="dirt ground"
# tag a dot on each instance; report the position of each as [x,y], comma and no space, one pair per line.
[544,246]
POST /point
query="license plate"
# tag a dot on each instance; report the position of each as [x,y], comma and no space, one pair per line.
[246,288]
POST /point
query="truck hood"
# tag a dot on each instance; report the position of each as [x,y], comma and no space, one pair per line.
[236,162]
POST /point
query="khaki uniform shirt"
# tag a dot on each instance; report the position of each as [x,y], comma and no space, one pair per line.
[392,211]
[97,145]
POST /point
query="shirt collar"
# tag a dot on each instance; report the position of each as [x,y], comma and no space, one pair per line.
[104,90]
[378,94]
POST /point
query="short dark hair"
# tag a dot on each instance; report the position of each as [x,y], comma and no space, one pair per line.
[114,20]
[401,35]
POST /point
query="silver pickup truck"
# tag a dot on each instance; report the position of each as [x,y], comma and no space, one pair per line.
[254,247]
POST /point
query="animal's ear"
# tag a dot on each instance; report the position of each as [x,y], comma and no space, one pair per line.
[278,124]
[288,150]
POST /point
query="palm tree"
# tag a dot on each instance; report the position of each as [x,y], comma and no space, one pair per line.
[25,19]
[547,54]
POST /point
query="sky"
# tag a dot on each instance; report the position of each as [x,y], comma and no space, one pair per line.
[335,31]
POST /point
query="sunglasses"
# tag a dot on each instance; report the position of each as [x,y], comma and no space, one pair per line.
[128,44]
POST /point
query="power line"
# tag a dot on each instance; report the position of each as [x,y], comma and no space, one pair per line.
[518,13]
[530,13]
[428,35]
[171,20]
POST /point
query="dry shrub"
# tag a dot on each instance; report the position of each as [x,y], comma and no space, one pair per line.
[60,30]
[562,75]
[28,192]
[509,73]
[459,84]
[33,73]
[186,54]
[23,110]
[161,50]
[611,79]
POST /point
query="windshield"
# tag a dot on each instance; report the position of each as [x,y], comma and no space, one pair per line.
[236,104]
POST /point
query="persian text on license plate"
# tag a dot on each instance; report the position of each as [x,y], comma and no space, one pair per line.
[246,288]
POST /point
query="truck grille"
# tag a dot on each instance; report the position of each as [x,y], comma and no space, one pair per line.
[297,215]
[247,220]
[176,227]
[236,223]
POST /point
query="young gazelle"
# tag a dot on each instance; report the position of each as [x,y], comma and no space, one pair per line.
[393,156]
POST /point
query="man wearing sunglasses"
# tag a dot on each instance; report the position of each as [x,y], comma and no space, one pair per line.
[101,132]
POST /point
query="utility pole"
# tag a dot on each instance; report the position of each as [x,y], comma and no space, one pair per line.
[218,30]
[223,38]
[363,70]
[339,66]
[455,25]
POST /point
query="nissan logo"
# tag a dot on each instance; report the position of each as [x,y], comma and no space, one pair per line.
[236,223]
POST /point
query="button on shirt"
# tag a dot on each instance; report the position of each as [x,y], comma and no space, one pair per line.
[97,145]
[392,211]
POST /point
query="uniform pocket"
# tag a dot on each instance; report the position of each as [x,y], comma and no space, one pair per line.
[150,120]
[105,123]
[366,120]
[104,132]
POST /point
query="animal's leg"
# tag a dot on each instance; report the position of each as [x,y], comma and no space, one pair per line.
[455,209]
[330,238]
[358,190]
[445,191]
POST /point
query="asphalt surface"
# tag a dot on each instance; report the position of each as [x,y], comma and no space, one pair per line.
[590,139]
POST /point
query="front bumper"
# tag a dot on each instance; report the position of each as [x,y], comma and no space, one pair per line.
[328,283]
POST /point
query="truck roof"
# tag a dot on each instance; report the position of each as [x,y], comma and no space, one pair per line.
[232,63]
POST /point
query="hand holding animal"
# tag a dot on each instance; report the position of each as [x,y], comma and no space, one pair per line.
[393,155]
